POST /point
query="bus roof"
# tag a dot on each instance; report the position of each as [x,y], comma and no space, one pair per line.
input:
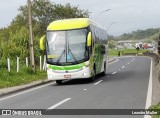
[67,24]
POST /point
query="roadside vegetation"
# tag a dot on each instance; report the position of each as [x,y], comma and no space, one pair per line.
[14,39]
[26,75]
[140,35]
[123,52]
[156,108]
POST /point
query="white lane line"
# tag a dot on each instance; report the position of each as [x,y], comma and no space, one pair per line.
[84,89]
[59,103]
[114,73]
[149,93]
[98,82]
[128,63]
[119,69]
[26,91]
[123,66]
[108,76]
[114,61]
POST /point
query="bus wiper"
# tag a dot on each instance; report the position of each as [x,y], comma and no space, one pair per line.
[60,56]
[72,55]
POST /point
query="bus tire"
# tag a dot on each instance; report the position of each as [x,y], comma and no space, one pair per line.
[93,75]
[104,72]
[59,82]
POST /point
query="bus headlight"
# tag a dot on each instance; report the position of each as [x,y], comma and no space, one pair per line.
[84,74]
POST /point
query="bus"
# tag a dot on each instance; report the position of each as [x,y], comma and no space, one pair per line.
[75,48]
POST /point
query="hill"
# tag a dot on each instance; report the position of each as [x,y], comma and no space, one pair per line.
[148,34]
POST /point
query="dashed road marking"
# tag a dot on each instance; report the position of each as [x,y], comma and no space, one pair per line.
[59,103]
[114,61]
[123,66]
[26,91]
[98,82]
[114,73]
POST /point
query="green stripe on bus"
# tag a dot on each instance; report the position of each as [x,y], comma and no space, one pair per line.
[71,67]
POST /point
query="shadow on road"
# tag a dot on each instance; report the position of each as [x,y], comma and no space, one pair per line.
[79,81]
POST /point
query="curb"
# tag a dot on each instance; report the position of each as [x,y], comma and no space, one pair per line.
[15,89]
[11,90]
[111,60]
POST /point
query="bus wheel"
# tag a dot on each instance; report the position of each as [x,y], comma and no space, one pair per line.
[59,82]
[104,72]
[93,75]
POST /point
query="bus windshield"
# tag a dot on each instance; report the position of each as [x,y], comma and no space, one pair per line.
[67,47]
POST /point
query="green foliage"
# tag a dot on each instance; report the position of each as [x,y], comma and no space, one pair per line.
[112,44]
[155,108]
[26,75]
[150,34]
[14,40]
[125,51]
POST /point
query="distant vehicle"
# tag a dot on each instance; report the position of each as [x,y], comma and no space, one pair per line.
[75,49]
[137,46]
[146,46]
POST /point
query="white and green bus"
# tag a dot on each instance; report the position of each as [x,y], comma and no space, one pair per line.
[75,49]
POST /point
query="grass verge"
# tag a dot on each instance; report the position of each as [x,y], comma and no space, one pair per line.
[155,108]
[126,51]
[26,75]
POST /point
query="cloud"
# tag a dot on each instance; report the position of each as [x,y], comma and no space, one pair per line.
[130,14]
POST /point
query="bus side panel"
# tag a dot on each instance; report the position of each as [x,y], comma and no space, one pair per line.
[99,37]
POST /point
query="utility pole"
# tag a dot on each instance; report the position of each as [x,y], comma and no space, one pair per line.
[31,48]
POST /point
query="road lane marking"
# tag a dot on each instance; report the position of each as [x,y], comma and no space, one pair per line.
[149,93]
[114,61]
[108,76]
[84,89]
[59,103]
[98,82]
[26,91]
[128,63]
[119,69]
[114,73]
[123,66]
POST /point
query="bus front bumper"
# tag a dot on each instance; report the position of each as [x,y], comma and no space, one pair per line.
[85,72]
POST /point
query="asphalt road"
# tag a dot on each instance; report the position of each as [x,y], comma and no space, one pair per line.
[124,87]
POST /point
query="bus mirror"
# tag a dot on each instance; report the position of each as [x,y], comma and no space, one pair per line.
[42,42]
[89,39]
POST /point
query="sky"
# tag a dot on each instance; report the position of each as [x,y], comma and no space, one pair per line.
[129,15]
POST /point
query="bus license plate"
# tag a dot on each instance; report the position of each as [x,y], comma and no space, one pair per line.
[67,76]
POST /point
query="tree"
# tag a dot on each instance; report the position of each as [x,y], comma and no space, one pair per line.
[14,40]
[45,12]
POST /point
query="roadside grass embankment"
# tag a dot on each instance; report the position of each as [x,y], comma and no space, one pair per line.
[157,109]
[24,76]
[124,52]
